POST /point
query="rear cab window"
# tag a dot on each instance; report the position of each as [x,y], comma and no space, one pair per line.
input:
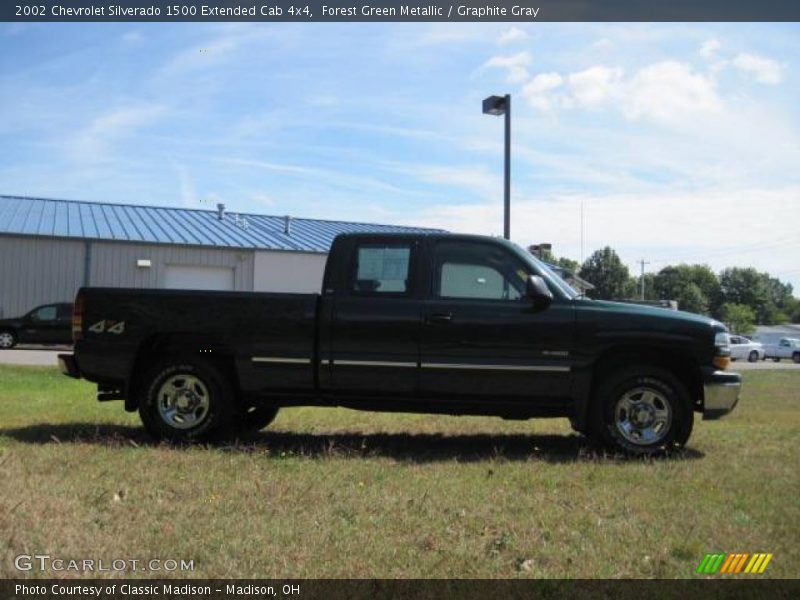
[382,269]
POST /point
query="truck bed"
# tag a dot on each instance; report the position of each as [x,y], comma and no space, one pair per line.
[251,329]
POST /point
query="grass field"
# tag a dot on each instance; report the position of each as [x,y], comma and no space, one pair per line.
[337,493]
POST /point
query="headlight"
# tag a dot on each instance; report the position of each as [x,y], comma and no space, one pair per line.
[722,350]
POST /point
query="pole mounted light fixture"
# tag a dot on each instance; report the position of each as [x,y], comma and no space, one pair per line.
[497,106]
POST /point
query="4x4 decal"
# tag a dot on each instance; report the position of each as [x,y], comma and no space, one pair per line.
[116,327]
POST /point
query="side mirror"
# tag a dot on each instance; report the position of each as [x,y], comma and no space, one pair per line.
[538,292]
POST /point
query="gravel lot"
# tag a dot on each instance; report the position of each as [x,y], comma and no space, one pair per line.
[33,355]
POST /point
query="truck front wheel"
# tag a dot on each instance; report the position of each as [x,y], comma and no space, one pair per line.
[185,401]
[642,410]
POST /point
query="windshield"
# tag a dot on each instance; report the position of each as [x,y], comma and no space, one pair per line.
[547,273]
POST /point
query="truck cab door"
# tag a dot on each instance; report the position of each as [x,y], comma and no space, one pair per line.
[483,339]
[373,348]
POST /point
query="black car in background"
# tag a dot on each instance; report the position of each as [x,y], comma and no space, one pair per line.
[47,324]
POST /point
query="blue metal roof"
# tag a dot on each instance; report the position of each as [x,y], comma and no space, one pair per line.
[167,225]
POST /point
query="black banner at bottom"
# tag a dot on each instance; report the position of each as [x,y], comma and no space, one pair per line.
[418,589]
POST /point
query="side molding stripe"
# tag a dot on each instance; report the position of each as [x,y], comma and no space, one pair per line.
[542,368]
[281,360]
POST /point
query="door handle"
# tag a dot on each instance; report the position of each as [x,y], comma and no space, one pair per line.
[440,318]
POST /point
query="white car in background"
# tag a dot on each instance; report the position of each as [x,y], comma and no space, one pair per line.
[785,348]
[746,349]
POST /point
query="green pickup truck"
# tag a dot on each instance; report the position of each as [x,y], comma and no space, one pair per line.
[426,323]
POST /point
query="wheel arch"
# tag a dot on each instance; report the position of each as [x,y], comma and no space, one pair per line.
[679,364]
[160,347]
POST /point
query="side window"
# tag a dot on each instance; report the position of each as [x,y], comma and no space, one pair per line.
[480,271]
[46,313]
[64,311]
[382,269]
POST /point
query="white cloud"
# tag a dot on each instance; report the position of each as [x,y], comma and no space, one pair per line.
[602,44]
[650,225]
[709,48]
[94,142]
[515,66]
[475,178]
[540,90]
[595,85]
[132,37]
[763,69]
[669,90]
[663,91]
[514,34]
[187,190]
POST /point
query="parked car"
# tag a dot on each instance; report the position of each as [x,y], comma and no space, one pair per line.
[47,324]
[426,323]
[746,349]
[785,348]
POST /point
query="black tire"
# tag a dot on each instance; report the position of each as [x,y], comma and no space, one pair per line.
[611,419]
[198,384]
[8,339]
[753,356]
[256,418]
[796,358]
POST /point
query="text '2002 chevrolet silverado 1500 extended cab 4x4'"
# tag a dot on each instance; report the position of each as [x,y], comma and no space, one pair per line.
[431,323]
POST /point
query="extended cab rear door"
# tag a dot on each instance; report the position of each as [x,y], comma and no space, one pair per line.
[372,348]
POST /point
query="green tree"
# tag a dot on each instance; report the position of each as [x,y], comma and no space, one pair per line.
[692,299]
[750,288]
[561,261]
[694,287]
[708,282]
[650,292]
[607,273]
[738,317]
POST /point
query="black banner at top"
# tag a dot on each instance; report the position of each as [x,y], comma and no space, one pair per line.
[399,10]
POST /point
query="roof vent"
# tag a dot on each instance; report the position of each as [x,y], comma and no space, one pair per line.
[220,211]
[287,225]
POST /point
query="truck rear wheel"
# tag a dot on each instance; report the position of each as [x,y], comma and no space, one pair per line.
[185,400]
[796,357]
[753,356]
[642,410]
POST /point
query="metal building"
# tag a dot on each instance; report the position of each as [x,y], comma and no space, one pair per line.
[50,248]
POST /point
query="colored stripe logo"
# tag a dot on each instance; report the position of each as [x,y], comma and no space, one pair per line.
[734,563]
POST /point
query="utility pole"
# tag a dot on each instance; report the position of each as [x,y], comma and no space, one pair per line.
[643,262]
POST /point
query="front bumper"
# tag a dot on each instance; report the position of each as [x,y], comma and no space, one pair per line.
[720,393]
[68,365]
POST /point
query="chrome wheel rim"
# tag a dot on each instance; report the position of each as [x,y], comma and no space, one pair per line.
[183,401]
[643,416]
[6,340]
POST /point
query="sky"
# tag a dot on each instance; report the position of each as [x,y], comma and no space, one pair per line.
[679,142]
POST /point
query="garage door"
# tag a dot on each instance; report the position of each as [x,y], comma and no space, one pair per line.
[182,277]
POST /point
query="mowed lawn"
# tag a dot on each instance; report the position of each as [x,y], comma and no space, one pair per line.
[338,493]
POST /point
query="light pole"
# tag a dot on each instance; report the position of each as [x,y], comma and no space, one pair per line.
[501,105]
